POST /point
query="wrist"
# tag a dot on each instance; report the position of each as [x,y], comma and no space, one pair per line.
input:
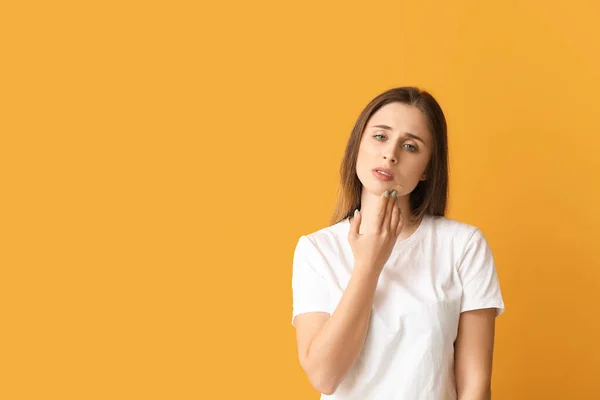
[363,271]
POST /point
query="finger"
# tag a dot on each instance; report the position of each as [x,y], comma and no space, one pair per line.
[395,216]
[381,210]
[354,224]
[392,201]
[394,224]
[400,222]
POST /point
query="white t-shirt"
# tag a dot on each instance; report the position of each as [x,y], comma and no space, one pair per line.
[444,268]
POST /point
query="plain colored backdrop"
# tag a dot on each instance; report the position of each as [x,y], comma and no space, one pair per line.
[159,161]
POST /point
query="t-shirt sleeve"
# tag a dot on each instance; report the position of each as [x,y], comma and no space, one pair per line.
[309,288]
[477,271]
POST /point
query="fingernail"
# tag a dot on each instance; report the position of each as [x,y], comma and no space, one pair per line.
[356,212]
[387,193]
[394,193]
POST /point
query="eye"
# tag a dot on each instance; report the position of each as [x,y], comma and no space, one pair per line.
[412,148]
[379,134]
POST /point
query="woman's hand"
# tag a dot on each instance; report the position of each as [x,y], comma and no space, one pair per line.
[373,247]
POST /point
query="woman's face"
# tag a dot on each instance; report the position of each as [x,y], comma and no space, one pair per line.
[396,138]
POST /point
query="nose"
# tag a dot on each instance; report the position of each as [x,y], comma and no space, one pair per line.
[390,156]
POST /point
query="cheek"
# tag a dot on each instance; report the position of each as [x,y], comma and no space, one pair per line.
[363,162]
[417,167]
[363,154]
[365,151]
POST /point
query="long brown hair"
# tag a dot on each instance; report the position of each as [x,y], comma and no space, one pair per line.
[429,196]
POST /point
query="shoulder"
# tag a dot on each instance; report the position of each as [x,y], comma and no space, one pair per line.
[459,233]
[450,227]
[324,249]
[469,244]
[328,237]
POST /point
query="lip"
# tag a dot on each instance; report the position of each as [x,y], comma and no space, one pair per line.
[381,176]
[387,171]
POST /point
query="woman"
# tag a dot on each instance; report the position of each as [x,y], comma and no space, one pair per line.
[393,300]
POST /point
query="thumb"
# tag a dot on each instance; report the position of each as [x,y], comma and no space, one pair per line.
[355,223]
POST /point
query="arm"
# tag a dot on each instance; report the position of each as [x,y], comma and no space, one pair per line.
[329,345]
[473,354]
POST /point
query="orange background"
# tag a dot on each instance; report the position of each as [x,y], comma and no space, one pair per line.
[159,161]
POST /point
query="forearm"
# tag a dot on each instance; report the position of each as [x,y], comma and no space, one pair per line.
[337,345]
[474,348]
[474,393]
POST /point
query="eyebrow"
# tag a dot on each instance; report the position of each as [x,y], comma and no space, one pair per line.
[409,134]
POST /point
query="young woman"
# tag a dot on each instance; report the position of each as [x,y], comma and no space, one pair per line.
[393,300]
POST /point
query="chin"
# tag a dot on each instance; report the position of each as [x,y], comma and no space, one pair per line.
[377,187]
[374,185]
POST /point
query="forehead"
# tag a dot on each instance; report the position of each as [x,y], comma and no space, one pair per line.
[402,118]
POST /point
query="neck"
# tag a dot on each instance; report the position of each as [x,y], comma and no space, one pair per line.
[368,209]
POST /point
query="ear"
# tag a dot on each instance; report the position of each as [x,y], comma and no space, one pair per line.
[424,177]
